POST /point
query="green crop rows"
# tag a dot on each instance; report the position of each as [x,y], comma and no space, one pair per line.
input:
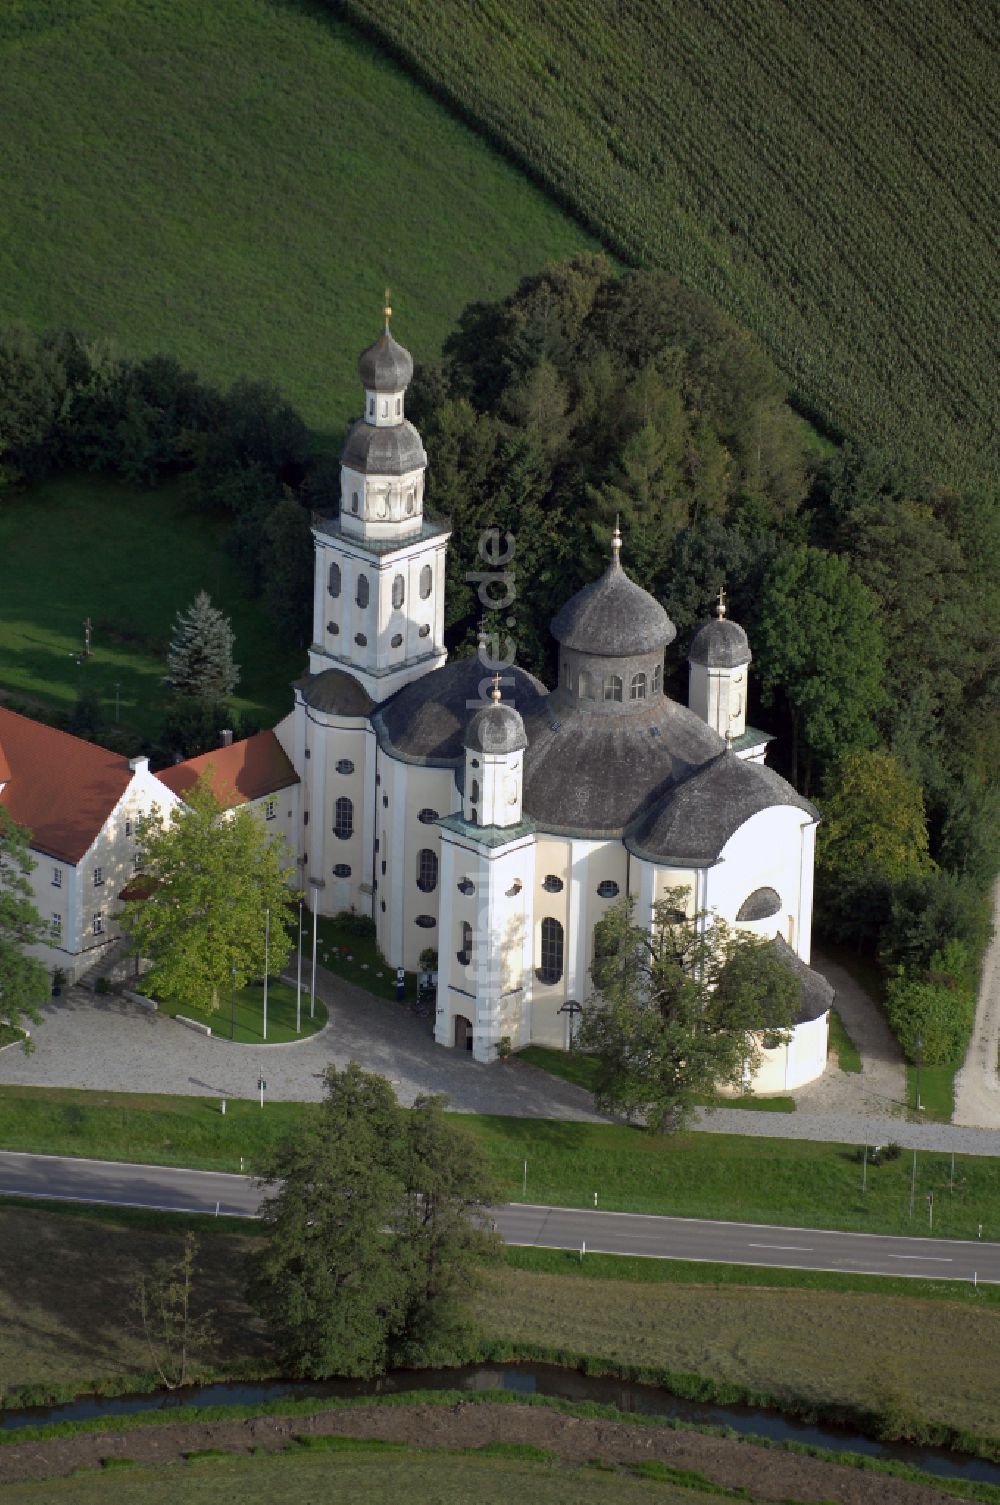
[828,174]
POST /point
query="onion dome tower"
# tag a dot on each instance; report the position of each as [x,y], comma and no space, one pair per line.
[378,606]
[495,740]
[718,661]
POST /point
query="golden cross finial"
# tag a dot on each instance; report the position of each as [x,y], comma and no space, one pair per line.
[720,605]
[387,310]
[616,539]
[495,692]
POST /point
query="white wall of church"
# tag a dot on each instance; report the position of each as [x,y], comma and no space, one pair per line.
[404,791]
[767,851]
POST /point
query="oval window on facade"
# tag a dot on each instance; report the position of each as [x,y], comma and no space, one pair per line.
[427,816]
[426,582]
[552,884]
[333,629]
[398,592]
[760,905]
[333,580]
[425,921]
[607,888]
[427,870]
[342,870]
[467,887]
[344,765]
[424,632]
[362,595]
[551,954]
[361,640]
[396,641]
[343,818]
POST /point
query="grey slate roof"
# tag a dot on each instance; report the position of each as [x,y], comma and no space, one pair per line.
[817,993]
[613,616]
[426,720]
[385,366]
[335,691]
[721,644]
[496,729]
[387,451]
[697,818]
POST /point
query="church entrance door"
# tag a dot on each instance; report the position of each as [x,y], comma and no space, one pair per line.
[463,1032]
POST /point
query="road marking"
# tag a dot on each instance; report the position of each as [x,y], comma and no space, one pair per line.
[797,1248]
[936,1259]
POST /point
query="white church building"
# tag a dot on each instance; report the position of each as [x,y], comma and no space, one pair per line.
[495,824]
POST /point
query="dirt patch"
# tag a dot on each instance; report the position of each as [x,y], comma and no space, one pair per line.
[768,1473]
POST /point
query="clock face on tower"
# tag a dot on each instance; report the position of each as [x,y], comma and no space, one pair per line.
[510,789]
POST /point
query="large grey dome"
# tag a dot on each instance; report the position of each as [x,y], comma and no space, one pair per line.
[496,729]
[390,451]
[614,617]
[696,819]
[385,366]
[720,644]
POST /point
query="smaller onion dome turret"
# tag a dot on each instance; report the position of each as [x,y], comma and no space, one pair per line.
[717,680]
[495,740]
[721,644]
[385,366]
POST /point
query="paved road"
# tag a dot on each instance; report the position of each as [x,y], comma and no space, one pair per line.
[542,1227]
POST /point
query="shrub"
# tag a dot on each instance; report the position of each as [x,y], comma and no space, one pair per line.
[940,1014]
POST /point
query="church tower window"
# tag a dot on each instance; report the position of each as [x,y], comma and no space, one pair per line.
[585,685]
[657,679]
[426,581]
[427,870]
[362,595]
[612,687]
[343,818]
[398,592]
[333,581]
[354,502]
[551,967]
[637,689]
[474,792]
[465,950]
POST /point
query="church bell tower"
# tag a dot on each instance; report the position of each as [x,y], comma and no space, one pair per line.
[378,605]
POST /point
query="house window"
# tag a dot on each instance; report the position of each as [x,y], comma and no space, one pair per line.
[398,592]
[343,818]
[657,679]
[57,924]
[57,877]
[342,870]
[465,949]
[551,966]
[427,870]
[333,579]
[137,863]
[128,826]
[344,765]
[585,685]
[270,809]
[362,595]
[98,876]
[427,816]
[425,921]
[426,582]
[637,689]
[612,687]
[552,884]
[607,889]
[98,924]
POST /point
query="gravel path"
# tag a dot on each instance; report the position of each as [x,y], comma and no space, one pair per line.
[879,1089]
[105,1043]
[977,1085]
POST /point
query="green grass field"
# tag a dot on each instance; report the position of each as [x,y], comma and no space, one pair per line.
[827,178]
[235,183]
[748,1179]
[575,1066]
[842,1046]
[245,1011]
[87,546]
[359,1473]
[937,1091]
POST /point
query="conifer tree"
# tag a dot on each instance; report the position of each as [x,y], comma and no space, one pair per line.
[200,658]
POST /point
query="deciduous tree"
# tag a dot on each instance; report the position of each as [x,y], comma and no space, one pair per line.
[24,983]
[873,817]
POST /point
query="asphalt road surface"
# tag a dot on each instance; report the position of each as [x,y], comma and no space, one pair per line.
[173,1189]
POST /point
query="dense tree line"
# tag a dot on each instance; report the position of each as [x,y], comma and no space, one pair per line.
[870,595]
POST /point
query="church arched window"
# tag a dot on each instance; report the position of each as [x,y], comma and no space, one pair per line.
[385,409]
[398,592]
[551,959]
[585,685]
[362,595]
[333,580]
[427,870]
[399,406]
[637,689]
[426,582]
[343,818]
[474,792]
[465,946]
[409,502]
[657,679]
[612,687]
[567,674]
[371,407]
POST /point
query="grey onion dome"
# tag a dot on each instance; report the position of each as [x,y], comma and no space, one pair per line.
[497,730]
[390,451]
[721,644]
[613,616]
[385,366]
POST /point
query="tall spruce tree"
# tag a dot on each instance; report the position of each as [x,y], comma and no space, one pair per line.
[200,658]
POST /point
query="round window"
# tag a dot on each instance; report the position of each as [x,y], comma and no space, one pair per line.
[425,921]
[427,816]
[396,640]
[552,884]
[361,640]
[608,889]
[345,765]
[342,870]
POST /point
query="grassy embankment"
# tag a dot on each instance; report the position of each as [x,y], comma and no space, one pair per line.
[577,1067]
[893,1343]
[743,1178]
[234,183]
[818,179]
[247,1015]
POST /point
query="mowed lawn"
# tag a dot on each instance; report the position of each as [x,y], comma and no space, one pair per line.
[234,183]
[936,1357]
[79,547]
